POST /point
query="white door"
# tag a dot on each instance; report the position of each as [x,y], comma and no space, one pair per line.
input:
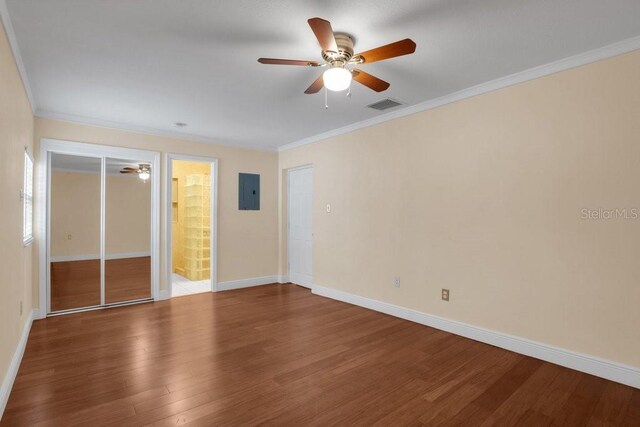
[301,226]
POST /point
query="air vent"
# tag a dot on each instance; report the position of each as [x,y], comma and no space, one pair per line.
[385,104]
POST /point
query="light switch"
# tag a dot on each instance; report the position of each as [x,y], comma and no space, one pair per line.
[328,207]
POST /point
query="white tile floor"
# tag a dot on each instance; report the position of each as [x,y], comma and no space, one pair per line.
[181,286]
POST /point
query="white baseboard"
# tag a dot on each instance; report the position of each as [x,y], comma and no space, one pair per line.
[10,376]
[247,283]
[164,294]
[580,362]
[283,278]
[39,314]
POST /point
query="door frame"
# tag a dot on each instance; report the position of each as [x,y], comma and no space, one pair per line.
[294,169]
[43,216]
[213,208]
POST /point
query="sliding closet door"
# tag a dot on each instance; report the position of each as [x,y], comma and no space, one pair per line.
[127,230]
[74,232]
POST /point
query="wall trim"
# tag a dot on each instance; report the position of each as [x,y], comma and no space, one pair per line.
[12,371]
[613,371]
[614,49]
[164,294]
[39,314]
[85,257]
[13,43]
[129,127]
[605,52]
[283,278]
[247,283]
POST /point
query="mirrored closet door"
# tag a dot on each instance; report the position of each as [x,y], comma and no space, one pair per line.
[127,230]
[74,237]
[102,226]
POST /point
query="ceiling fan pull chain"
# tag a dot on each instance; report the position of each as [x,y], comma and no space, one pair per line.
[326,99]
[349,92]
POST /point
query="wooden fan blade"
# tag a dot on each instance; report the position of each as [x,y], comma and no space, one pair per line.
[276,61]
[315,86]
[392,50]
[324,33]
[131,171]
[372,82]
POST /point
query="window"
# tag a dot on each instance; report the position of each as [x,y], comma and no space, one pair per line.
[27,199]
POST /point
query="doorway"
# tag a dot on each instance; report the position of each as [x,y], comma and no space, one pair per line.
[101,226]
[300,230]
[191,226]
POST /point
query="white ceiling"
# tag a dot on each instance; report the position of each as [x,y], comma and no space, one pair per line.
[149,63]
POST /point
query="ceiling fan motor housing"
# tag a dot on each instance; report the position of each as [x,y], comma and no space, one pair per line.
[344,53]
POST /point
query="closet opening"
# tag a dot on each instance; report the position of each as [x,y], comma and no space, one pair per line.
[191,225]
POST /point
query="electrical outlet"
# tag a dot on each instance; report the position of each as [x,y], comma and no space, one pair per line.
[445,294]
[396,281]
[69,236]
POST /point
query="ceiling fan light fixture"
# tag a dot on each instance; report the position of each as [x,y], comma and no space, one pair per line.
[336,79]
[337,52]
[144,174]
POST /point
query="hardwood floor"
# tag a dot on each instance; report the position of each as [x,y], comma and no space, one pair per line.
[127,279]
[279,355]
[76,284]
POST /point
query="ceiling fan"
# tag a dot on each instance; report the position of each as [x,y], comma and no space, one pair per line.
[143,171]
[337,53]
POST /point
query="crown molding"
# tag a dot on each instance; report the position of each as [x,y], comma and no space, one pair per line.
[574,61]
[13,42]
[144,130]
[570,62]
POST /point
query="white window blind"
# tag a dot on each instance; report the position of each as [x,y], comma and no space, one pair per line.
[27,199]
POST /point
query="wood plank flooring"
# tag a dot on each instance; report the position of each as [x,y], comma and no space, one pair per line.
[76,284]
[280,356]
[127,279]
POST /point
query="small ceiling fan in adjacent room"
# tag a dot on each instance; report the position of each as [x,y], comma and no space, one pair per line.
[337,53]
[143,171]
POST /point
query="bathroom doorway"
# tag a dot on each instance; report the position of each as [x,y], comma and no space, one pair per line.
[191,225]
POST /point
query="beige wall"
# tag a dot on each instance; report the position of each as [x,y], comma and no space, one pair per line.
[485,197]
[75,213]
[16,132]
[247,240]
[128,215]
[180,171]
